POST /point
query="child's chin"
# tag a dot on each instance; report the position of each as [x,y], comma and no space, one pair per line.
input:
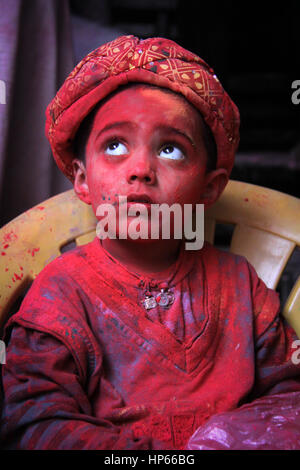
[143,241]
[142,231]
[147,235]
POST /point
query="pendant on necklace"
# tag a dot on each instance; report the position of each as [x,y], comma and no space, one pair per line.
[149,302]
[165,298]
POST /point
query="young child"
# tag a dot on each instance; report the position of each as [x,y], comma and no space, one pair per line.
[136,343]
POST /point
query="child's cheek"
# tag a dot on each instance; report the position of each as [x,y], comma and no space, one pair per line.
[185,188]
[195,183]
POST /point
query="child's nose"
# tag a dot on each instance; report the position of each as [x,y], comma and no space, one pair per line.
[140,169]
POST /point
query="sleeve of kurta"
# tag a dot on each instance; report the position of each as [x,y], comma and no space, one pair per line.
[49,357]
[270,417]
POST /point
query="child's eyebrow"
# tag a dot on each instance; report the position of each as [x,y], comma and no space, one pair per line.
[162,127]
[177,131]
[115,124]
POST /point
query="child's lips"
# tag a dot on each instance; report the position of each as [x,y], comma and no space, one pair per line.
[139,199]
[136,200]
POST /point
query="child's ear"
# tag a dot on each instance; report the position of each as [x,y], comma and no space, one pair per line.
[80,184]
[215,182]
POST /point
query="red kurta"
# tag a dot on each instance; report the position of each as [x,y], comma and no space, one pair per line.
[87,367]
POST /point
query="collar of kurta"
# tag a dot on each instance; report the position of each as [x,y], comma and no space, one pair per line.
[110,267]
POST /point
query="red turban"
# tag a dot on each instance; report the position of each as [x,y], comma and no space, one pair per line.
[156,61]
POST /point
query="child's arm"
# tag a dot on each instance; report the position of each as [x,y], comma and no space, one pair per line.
[45,405]
[271,419]
[270,422]
[53,369]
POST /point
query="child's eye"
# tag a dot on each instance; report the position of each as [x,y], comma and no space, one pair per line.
[171,152]
[116,148]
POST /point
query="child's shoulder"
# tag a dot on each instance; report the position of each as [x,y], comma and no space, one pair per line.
[230,270]
[222,259]
[233,276]
[59,280]
[53,301]
[68,263]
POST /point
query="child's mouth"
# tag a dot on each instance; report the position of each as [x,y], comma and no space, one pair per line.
[139,199]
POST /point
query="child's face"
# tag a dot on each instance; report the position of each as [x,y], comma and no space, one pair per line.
[147,142]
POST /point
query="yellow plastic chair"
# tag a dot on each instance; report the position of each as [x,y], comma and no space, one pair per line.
[267,230]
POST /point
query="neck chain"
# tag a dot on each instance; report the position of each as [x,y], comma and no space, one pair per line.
[164,299]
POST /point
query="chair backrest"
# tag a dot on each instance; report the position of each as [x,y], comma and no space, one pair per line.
[266,231]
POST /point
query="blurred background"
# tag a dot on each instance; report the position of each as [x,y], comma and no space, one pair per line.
[253,46]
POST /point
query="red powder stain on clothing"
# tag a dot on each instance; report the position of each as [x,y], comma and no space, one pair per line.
[246,199]
[6,269]
[3,253]
[6,246]
[41,208]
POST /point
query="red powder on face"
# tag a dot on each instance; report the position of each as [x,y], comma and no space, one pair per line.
[143,122]
[146,142]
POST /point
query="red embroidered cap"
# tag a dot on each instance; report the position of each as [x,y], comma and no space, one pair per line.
[156,61]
